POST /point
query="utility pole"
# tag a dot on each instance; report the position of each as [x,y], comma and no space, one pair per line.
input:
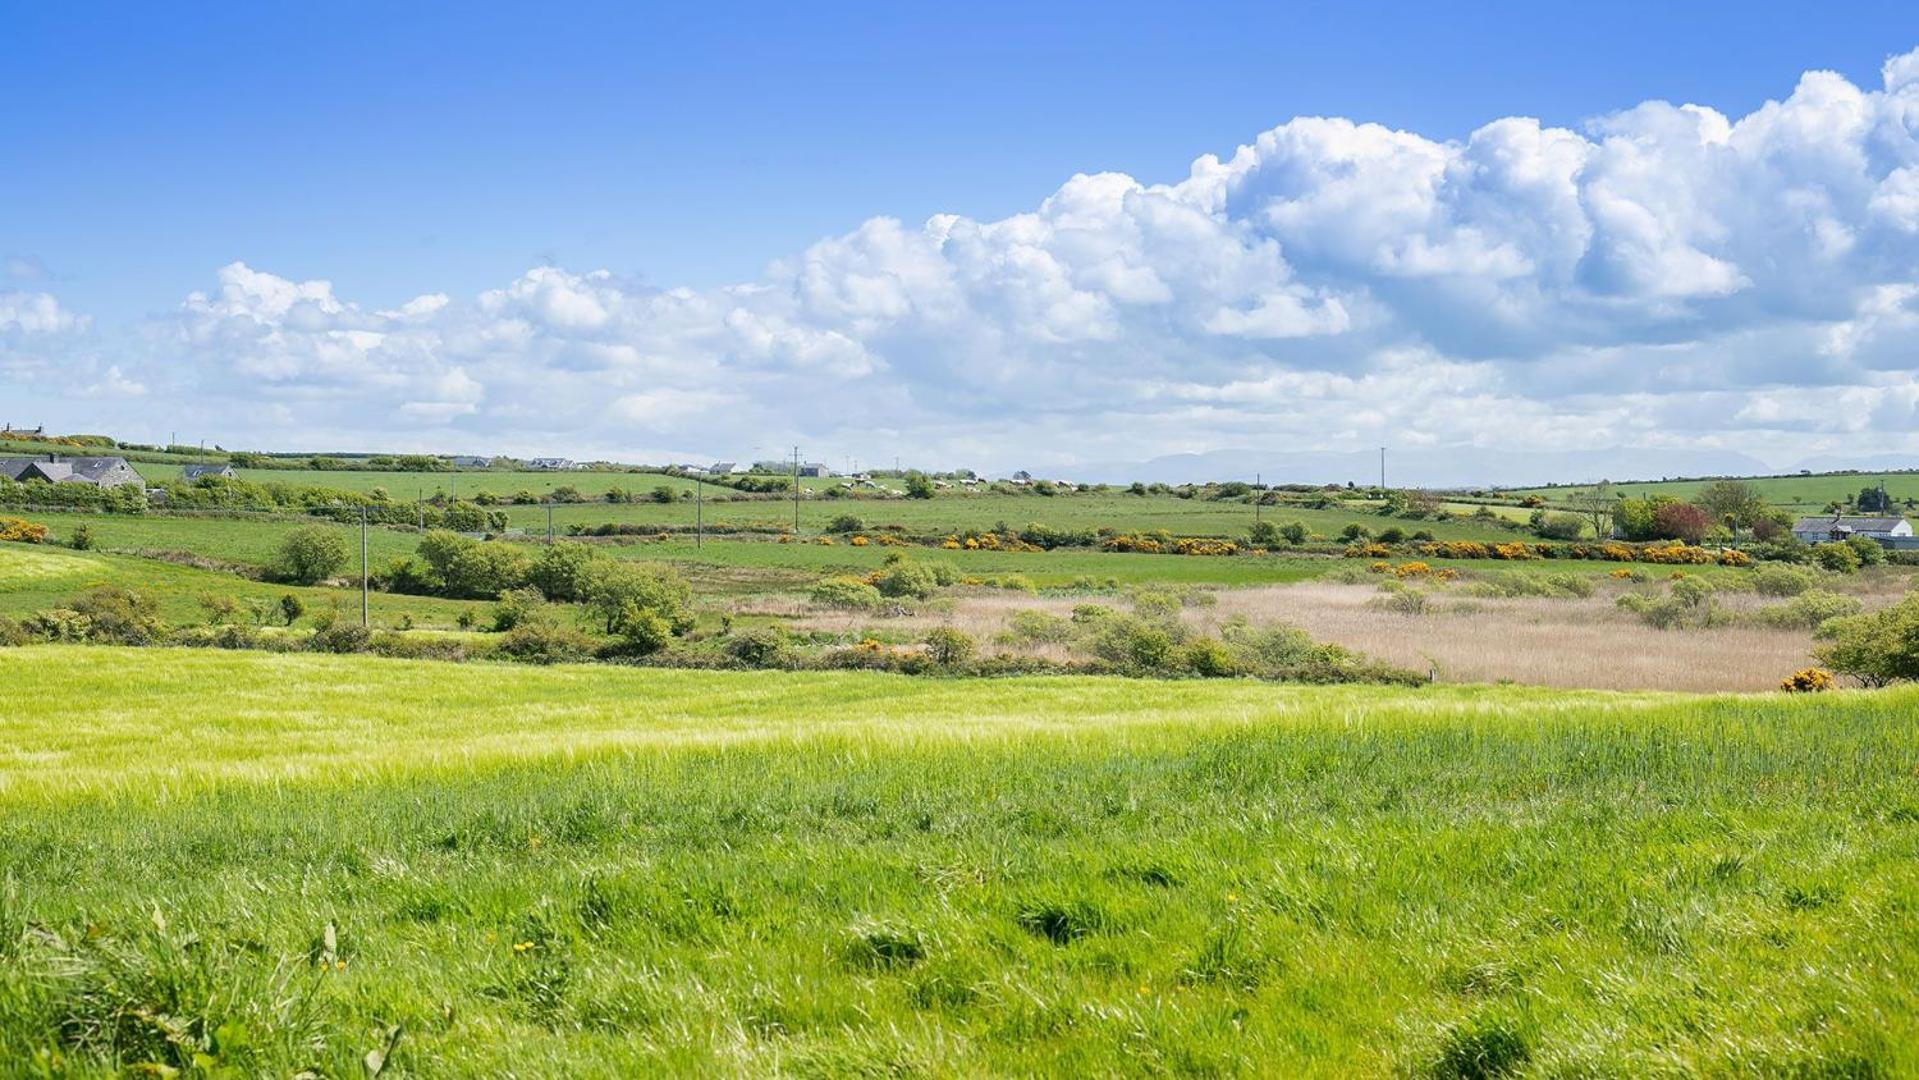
[1259,495]
[796,490]
[549,522]
[365,580]
[699,512]
[1382,468]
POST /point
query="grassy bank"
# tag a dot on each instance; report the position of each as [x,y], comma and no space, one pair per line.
[285,862]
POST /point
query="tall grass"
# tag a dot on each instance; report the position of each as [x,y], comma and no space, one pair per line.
[288,862]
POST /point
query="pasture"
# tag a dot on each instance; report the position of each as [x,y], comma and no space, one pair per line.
[266,864]
[1807,494]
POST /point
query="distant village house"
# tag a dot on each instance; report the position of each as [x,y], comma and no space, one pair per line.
[1890,532]
[550,464]
[191,473]
[56,469]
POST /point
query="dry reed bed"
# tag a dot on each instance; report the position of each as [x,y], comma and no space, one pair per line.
[1586,643]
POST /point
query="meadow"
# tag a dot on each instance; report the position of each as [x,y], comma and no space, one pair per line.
[1807,494]
[267,864]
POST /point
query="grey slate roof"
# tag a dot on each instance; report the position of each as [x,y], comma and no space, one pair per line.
[57,469]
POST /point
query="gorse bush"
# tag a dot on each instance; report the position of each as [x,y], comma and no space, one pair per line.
[1780,580]
[846,594]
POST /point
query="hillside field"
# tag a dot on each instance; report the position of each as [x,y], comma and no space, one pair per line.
[273,863]
[1800,494]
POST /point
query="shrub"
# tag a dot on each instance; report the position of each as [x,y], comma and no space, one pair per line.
[1876,648]
[947,646]
[846,594]
[119,616]
[906,579]
[15,530]
[1868,550]
[340,637]
[1840,558]
[846,523]
[1808,610]
[1780,580]
[560,571]
[1811,680]
[291,608]
[1208,658]
[545,641]
[1039,627]
[464,568]
[1263,534]
[81,538]
[1294,533]
[1354,533]
[762,647]
[517,606]
[1402,601]
[310,554]
[644,604]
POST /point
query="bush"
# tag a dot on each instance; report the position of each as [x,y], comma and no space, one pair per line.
[763,647]
[516,607]
[645,604]
[117,616]
[906,579]
[1868,550]
[1840,558]
[1876,648]
[310,554]
[82,538]
[845,594]
[1560,526]
[947,646]
[1208,658]
[560,571]
[846,523]
[291,608]
[1294,533]
[464,568]
[1811,680]
[545,641]
[1781,580]
[1808,610]
[340,637]
[15,530]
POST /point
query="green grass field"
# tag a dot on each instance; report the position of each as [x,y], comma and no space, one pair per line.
[1801,494]
[268,864]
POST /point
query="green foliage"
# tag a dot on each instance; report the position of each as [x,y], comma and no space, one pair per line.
[761,647]
[1868,550]
[906,579]
[1876,648]
[81,538]
[846,523]
[1808,610]
[919,486]
[846,594]
[1778,579]
[645,604]
[948,646]
[518,606]
[461,567]
[1838,557]
[1294,533]
[560,571]
[311,554]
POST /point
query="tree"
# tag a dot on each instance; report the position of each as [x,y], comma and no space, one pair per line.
[1680,521]
[1877,648]
[311,554]
[1596,504]
[1874,500]
[1733,503]
[919,485]
[1294,533]
[644,603]
[560,570]
[471,569]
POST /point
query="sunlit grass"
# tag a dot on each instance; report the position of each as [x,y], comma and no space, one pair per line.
[285,862]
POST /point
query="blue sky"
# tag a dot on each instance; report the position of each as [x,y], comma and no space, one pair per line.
[448,147]
[666,220]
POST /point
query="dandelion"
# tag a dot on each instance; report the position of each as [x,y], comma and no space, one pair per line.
[522,946]
[339,965]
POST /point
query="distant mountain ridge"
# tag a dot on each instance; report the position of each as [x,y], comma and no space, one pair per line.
[1460,467]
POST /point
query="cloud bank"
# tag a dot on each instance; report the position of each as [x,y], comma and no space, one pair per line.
[1666,276]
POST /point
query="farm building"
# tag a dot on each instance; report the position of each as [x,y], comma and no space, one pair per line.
[814,468]
[190,473]
[1888,531]
[55,469]
[726,468]
[550,464]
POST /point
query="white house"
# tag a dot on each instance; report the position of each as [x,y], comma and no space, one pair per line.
[550,464]
[1887,531]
